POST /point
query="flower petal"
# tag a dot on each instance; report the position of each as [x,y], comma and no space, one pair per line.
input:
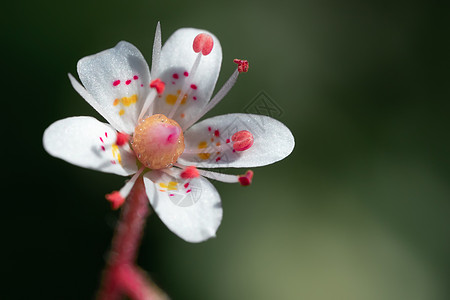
[189,208]
[118,79]
[88,143]
[209,143]
[177,59]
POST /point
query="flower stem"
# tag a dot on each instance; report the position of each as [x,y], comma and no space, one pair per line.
[121,275]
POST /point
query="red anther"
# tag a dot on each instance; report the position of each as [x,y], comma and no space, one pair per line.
[203,42]
[242,140]
[189,173]
[116,199]
[122,138]
[242,65]
[158,85]
[246,179]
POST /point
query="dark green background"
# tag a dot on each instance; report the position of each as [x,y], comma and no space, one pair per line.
[360,210]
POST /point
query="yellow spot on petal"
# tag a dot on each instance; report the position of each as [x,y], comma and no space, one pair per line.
[116,102]
[121,112]
[204,155]
[171,98]
[202,145]
[116,153]
[127,101]
[172,186]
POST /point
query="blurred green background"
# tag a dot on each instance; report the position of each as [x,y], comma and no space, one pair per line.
[359,210]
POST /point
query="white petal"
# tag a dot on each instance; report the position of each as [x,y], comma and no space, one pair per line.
[88,143]
[190,208]
[273,141]
[118,79]
[177,57]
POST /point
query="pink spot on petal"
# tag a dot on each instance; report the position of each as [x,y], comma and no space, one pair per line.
[209,128]
[186,74]
[186,185]
[113,162]
[173,82]
[116,83]
[128,82]
[175,76]
[217,133]
[103,148]
[106,134]
[228,140]
[193,86]
[101,140]
[195,98]
[135,77]
[171,195]
[142,85]
[217,159]
[188,191]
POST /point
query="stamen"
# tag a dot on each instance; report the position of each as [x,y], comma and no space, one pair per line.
[203,43]
[246,179]
[227,178]
[190,172]
[221,93]
[117,198]
[148,101]
[122,138]
[157,85]
[242,140]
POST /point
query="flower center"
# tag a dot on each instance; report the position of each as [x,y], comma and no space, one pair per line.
[158,142]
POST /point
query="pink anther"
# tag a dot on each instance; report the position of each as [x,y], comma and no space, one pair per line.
[242,65]
[242,140]
[122,138]
[189,173]
[203,43]
[116,199]
[158,85]
[246,179]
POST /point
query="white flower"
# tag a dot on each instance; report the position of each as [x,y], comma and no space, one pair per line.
[156,111]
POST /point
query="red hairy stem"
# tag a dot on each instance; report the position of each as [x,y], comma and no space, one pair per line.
[121,275]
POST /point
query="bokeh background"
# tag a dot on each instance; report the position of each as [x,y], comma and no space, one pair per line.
[359,210]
